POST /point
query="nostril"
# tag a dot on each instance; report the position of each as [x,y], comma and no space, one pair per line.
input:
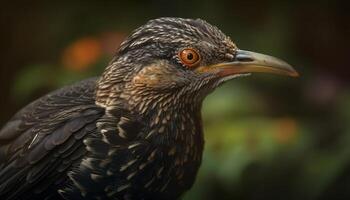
[244,58]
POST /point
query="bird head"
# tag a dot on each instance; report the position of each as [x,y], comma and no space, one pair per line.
[182,59]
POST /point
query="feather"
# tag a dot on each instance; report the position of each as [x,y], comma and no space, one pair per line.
[44,140]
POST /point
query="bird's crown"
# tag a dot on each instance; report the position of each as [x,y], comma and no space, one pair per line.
[175,32]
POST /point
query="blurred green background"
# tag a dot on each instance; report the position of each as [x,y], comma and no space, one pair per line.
[267,137]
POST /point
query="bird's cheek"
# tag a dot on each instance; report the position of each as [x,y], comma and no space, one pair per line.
[140,80]
[152,78]
[147,76]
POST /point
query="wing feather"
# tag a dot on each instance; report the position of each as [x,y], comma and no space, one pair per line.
[44,140]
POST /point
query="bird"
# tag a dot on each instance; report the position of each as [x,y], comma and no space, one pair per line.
[135,132]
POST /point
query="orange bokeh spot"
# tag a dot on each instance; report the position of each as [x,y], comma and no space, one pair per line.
[81,54]
[286,130]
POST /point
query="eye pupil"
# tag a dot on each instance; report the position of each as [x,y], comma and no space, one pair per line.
[190,56]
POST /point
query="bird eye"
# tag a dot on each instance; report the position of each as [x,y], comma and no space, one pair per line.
[189,57]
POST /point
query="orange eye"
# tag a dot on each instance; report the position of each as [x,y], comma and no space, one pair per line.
[189,57]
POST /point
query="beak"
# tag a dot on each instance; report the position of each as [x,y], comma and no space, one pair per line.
[251,62]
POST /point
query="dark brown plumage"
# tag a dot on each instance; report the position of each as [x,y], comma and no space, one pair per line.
[133,133]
